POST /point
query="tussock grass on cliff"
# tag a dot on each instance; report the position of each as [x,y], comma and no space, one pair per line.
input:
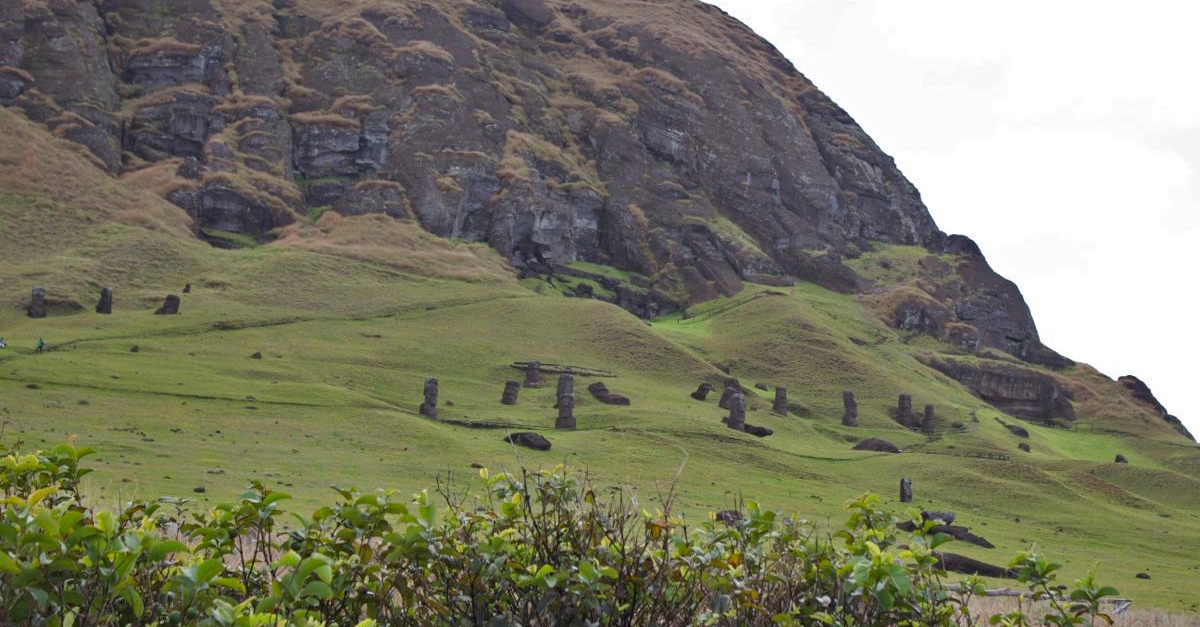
[399,244]
[28,154]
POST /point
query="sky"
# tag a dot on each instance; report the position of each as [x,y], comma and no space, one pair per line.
[1062,136]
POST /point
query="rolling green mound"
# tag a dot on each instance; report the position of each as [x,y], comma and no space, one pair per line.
[349,315]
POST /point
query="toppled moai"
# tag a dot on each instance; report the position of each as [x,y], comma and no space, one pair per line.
[904,411]
[906,490]
[737,411]
[512,388]
[850,409]
[781,401]
[731,387]
[927,422]
[600,392]
[566,412]
[757,431]
[429,407]
[106,300]
[169,307]
[37,303]
[701,392]
[528,439]
[533,375]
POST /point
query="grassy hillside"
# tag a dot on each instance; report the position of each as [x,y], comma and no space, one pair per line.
[350,316]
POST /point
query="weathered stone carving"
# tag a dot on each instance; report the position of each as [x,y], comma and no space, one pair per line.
[512,388]
[566,412]
[737,411]
[904,411]
[533,375]
[169,307]
[37,303]
[429,407]
[106,301]
[850,409]
[528,439]
[731,387]
[781,401]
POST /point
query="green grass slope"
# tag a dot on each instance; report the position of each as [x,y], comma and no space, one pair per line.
[350,316]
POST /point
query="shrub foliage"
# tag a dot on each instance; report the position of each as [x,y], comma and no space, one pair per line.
[524,549]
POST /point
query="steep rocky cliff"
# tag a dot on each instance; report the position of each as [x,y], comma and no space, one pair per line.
[661,137]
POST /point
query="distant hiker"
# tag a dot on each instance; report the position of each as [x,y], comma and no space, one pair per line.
[2,344]
[41,345]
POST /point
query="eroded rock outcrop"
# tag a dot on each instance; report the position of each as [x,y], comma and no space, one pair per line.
[1014,389]
[1141,392]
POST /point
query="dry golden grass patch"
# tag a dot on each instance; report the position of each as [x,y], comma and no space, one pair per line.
[35,163]
[401,244]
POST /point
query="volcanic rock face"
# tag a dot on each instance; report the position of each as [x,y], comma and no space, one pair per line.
[661,138]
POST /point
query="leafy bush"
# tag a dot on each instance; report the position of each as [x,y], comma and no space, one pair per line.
[530,549]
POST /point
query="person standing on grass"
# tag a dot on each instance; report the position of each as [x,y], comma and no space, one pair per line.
[2,344]
[41,344]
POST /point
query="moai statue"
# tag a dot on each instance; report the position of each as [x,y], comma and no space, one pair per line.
[566,412]
[533,375]
[904,411]
[187,289]
[105,304]
[850,415]
[906,490]
[429,407]
[731,386]
[37,303]
[927,422]
[566,385]
[512,388]
[701,392]
[169,307]
[780,404]
[737,412]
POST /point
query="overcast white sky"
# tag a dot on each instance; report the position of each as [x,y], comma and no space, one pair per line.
[1062,136]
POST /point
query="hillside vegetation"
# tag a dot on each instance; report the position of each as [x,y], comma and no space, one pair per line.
[347,334]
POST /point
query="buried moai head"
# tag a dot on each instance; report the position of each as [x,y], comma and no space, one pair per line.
[37,303]
[566,412]
[850,409]
[701,392]
[904,411]
[106,301]
[533,375]
[169,307]
[429,406]
[737,411]
[906,490]
[732,386]
[927,421]
[781,401]
[512,388]
[566,385]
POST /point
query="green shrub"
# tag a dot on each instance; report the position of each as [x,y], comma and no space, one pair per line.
[529,549]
